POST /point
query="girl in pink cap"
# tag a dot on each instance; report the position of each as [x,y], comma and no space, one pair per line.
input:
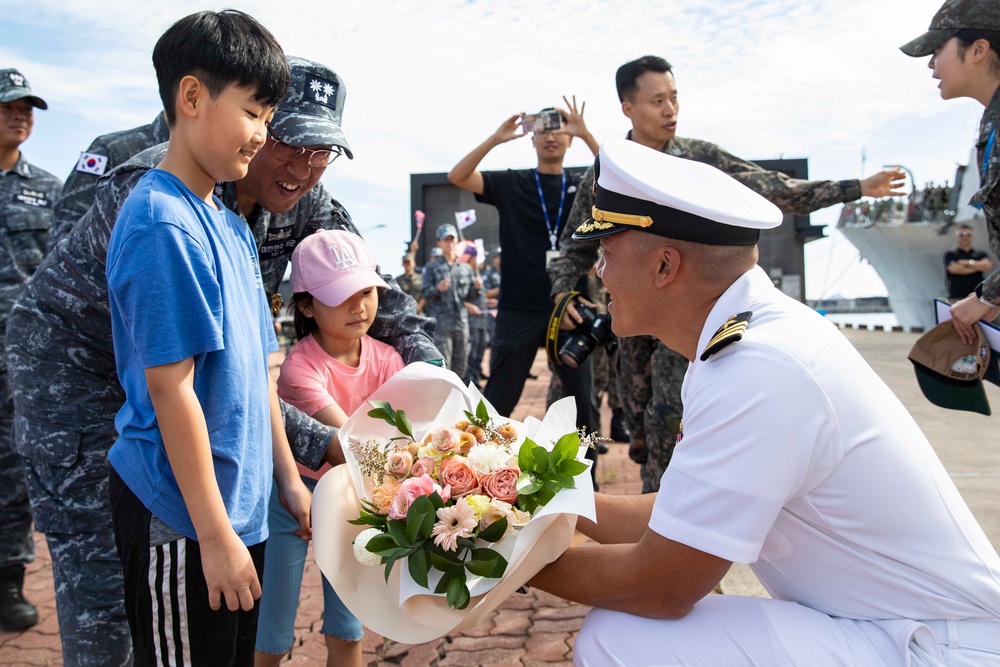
[330,372]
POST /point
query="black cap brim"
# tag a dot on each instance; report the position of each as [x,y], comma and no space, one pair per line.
[927,43]
[952,394]
[593,230]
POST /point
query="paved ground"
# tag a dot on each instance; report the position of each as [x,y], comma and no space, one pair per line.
[539,629]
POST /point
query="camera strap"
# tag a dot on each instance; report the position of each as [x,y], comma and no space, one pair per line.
[552,331]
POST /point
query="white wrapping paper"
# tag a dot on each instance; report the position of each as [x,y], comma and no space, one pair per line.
[400,609]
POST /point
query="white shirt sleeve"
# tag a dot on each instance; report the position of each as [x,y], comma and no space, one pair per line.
[756,424]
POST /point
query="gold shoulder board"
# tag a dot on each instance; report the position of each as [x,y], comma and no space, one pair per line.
[728,333]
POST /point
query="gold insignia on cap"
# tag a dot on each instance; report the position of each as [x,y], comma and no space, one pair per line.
[591,226]
[276,303]
[621,218]
[730,332]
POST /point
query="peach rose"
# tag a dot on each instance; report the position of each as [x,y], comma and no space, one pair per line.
[446,439]
[410,490]
[383,493]
[502,484]
[457,472]
[423,466]
[399,463]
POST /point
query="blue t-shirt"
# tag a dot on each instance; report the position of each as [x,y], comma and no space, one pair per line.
[184,281]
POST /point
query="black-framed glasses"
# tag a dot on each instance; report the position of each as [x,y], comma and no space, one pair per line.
[318,157]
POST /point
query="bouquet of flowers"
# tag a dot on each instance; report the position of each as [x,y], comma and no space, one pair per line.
[459,506]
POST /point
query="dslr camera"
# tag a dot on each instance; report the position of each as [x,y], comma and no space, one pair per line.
[594,330]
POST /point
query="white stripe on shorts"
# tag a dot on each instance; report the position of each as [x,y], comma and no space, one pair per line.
[166,563]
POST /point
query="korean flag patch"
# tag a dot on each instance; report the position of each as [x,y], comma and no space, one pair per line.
[92,163]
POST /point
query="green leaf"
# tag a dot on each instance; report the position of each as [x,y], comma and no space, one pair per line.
[565,449]
[499,563]
[469,416]
[545,495]
[457,593]
[572,467]
[380,414]
[528,483]
[368,520]
[495,531]
[381,544]
[442,562]
[384,405]
[419,567]
[524,454]
[539,461]
[465,543]
[419,520]
[436,501]
[397,529]
[563,481]
[403,424]
[482,414]
[449,574]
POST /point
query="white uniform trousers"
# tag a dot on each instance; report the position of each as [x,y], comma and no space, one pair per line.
[733,631]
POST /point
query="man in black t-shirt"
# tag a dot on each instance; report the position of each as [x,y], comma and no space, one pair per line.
[533,206]
[964,265]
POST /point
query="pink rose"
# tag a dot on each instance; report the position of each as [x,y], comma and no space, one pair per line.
[410,490]
[446,439]
[399,463]
[457,472]
[423,466]
[502,484]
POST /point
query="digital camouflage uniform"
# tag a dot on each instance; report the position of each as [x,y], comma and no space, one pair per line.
[988,196]
[115,149]
[412,284]
[27,195]
[66,394]
[447,308]
[650,375]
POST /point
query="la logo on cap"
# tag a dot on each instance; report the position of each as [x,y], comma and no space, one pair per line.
[344,257]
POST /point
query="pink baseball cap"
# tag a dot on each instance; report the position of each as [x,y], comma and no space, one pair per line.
[332,265]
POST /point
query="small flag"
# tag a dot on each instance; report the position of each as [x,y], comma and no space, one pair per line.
[419,217]
[92,163]
[465,218]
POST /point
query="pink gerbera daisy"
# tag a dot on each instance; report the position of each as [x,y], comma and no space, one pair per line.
[454,522]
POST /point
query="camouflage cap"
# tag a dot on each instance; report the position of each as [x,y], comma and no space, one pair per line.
[311,111]
[953,16]
[13,86]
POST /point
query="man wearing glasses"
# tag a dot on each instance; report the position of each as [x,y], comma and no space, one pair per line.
[964,266]
[63,377]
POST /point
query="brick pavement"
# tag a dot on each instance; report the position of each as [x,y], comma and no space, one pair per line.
[526,631]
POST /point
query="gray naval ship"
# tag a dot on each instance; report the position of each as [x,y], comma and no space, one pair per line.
[905,241]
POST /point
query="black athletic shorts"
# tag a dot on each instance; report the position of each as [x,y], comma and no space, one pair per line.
[166,597]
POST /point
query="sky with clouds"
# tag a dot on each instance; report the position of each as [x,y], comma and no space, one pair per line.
[428,81]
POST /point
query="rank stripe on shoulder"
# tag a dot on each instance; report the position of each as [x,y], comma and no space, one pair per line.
[730,332]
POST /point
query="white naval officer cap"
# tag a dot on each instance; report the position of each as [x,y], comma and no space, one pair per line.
[646,190]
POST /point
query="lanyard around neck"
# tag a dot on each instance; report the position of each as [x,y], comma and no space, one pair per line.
[553,229]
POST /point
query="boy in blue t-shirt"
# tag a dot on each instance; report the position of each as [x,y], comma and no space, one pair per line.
[200,434]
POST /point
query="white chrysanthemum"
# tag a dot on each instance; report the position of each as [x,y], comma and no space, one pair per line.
[365,557]
[487,458]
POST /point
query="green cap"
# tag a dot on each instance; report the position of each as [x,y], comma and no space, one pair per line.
[949,372]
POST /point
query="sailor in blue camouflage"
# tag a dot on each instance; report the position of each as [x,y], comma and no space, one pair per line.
[650,375]
[27,195]
[66,391]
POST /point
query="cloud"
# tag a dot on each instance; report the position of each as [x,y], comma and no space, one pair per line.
[429,81]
